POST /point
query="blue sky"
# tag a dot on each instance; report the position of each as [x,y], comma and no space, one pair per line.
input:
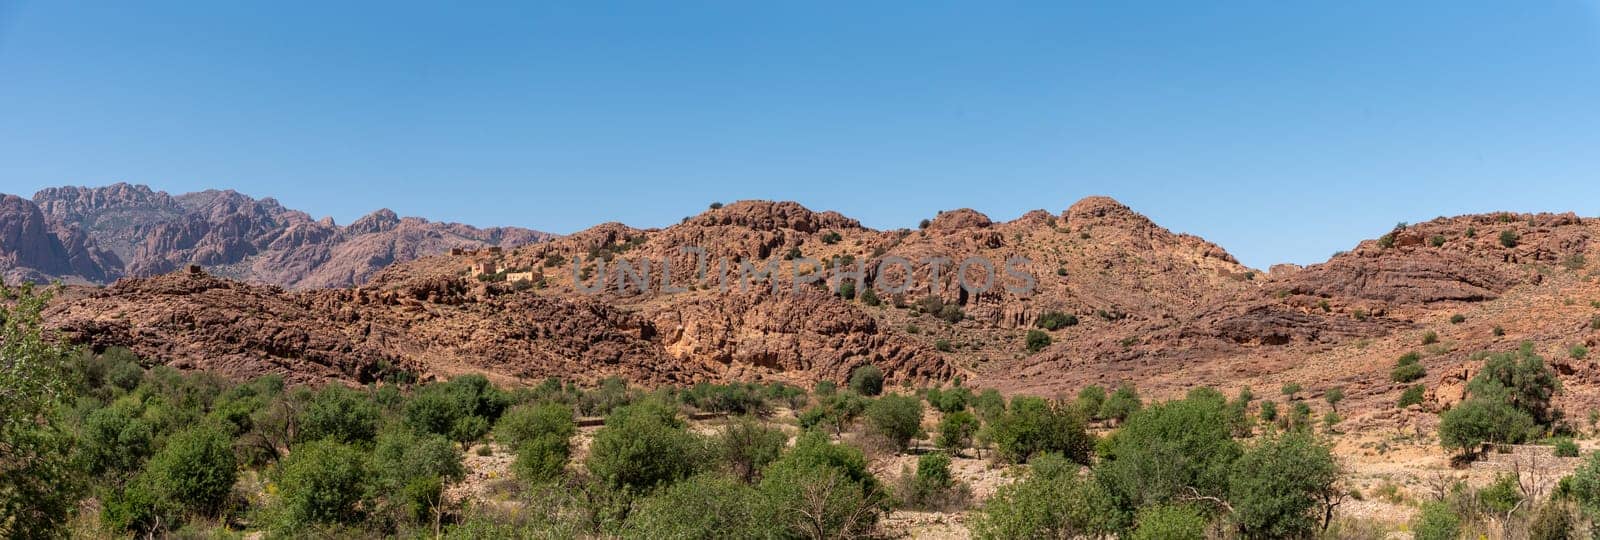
[1283,131]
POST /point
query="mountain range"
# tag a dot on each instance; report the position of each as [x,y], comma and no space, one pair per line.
[96,235]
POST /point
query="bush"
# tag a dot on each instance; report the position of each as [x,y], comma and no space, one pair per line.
[542,458]
[322,482]
[822,489]
[1578,352]
[942,345]
[870,297]
[1430,337]
[924,223]
[1289,390]
[1166,449]
[339,413]
[195,471]
[1408,368]
[1509,238]
[1278,489]
[701,506]
[1333,396]
[1037,340]
[410,473]
[1436,240]
[1055,320]
[1412,396]
[899,418]
[113,441]
[932,487]
[867,380]
[716,206]
[1476,421]
[1122,403]
[1169,522]
[1090,399]
[1052,501]
[747,447]
[1034,426]
[1436,521]
[643,446]
[1566,448]
[956,430]
[524,423]
[1458,318]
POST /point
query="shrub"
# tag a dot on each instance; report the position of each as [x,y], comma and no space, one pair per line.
[1499,331]
[1279,488]
[1594,323]
[1578,352]
[942,345]
[989,405]
[469,429]
[870,297]
[924,224]
[1052,501]
[1055,320]
[1476,421]
[949,401]
[410,472]
[847,290]
[1269,411]
[867,380]
[1090,399]
[1169,522]
[1458,318]
[195,471]
[701,506]
[1520,379]
[524,423]
[40,487]
[951,313]
[541,458]
[1408,368]
[1436,521]
[822,489]
[1166,449]
[1033,426]
[1037,340]
[1122,403]
[1430,337]
[113,441]
[899,418]
[642,446]
[956,431]
[1412,396]
[322,482]
[831,237]
[1509,238]
[932,487]
[1436,240]
[1333,396]
[746,447]
[1564,447]
[339,413]
[1289,390]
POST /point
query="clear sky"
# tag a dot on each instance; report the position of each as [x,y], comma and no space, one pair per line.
[1283,131]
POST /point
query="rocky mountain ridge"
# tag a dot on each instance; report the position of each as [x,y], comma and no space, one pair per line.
[96,235]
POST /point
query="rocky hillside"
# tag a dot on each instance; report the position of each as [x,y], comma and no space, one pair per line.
[96,235]
[1132,302]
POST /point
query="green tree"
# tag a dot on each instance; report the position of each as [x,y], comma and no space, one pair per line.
[114,442]
[39,486]
[1284,487]
[1032,426]
[898,418]
[1289,390]
[701,506]
[410,472]
[1122,403]
[822,490]
[339,413]
[1436,521]
[1412,396]
[1090,399]
[195,470]
[956,430]
[867,380]
[524,423]
[1182,447]
[321,482]
[1333,396]
[642,446]
[541,458]
[1476,421]
[746,447]
[1052,501]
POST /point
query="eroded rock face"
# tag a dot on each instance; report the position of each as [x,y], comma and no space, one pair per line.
[108,232]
